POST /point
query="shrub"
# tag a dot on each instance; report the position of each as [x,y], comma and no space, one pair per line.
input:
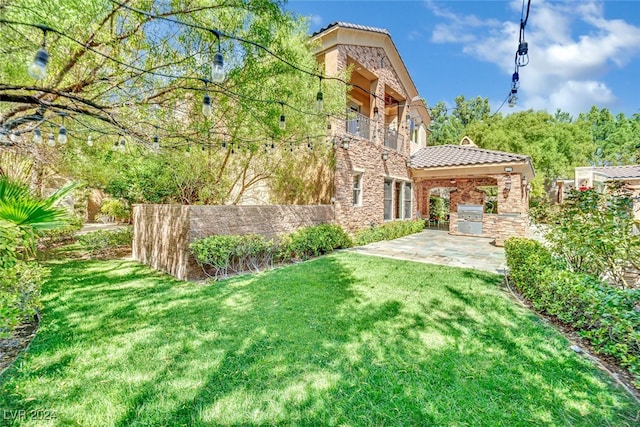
[314,241]
[104,240]
[115,210]
[222,255]
[608,317]
[388,231]
[20,282]
[49,238]
[594,233]
[233,254]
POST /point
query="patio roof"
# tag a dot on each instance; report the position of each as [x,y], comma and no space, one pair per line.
[619,172]
[439,156]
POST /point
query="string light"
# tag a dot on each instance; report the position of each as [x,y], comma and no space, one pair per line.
[38,68]
[37,136]
[62,132]
[206,106]
[283,120]
[156,143]
[319,99]
[217,71]
[51,141]
[90,141]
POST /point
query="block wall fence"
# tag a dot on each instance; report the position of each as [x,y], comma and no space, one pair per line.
[162,233]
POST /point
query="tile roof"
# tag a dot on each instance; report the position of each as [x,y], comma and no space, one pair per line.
[354,26]
[629,171]
[459,155]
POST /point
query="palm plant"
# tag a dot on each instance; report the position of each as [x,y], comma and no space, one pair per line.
[31,214]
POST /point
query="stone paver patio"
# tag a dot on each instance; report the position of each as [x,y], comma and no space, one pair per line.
[438,247]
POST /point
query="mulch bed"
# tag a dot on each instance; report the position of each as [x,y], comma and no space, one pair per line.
[10,348]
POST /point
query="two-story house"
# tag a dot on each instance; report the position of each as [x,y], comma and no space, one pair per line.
[384,123]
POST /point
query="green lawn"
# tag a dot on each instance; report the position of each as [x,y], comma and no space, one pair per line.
[341,340]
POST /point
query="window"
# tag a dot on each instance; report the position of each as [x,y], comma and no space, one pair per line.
[388,199]
[357,189]
[407,200]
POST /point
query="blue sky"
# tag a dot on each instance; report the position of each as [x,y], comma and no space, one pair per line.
[582,52]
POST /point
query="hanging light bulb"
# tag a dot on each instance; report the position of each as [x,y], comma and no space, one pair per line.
[206,105]
[38,68]
[122,146]
[37,136]
[62,135]
[319,102]
[217,70]
[90,141]
[376,113]
[283,120]
[319,98]
[156,143]
[51,141]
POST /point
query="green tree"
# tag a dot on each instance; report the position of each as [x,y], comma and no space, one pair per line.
[103,57]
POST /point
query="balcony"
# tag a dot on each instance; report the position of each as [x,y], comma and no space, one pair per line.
[358,125]
[363,127]
[393,140]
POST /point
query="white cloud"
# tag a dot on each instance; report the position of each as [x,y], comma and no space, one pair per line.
[415,35]
[566,69]
[316,20]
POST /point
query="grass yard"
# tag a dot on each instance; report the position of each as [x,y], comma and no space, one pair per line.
[344,339]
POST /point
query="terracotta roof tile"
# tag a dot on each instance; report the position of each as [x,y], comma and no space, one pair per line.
[354,26]
[457,155]
[629,171]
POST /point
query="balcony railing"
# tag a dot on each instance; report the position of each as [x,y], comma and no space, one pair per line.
[393,139]
[359,125]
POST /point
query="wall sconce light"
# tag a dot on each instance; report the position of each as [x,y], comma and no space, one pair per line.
[345,143]
[507,183]
[452,181]
[524,181]
[385,155]
[508,169]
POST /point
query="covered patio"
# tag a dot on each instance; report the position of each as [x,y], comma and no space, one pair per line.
[469,174]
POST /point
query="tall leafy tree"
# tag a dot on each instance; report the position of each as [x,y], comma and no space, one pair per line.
[122,75]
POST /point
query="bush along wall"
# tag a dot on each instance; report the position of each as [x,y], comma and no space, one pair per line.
[388,231]
[220,256]
[607,316]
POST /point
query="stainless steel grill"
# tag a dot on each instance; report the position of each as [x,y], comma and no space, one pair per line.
[470,219]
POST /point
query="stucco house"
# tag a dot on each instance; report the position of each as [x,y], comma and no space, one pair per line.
[598,176]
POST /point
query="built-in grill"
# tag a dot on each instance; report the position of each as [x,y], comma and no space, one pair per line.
[470,219]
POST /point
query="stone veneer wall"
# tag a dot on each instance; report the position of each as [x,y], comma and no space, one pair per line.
[513,206]
[365,156]
[162,233]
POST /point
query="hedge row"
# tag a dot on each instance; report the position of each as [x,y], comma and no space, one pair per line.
[20,282]
[223,255]
[607,316]
[388,231]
